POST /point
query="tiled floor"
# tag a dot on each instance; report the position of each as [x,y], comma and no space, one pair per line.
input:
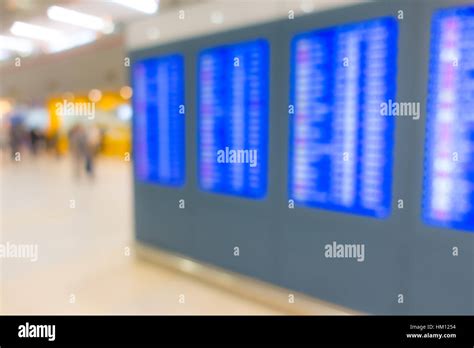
[83,230]
[83,266]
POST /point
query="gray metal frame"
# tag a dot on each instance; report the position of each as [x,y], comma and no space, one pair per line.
[286,246]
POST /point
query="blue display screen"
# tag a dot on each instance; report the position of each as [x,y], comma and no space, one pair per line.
[159,120]
[341,146]
[233,83]
[448,194]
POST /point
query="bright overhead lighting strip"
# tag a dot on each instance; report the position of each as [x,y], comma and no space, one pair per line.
[146,6]
[14,44]
[72,41]
[79,19]
[36,32]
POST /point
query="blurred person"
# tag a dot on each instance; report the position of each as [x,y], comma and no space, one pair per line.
[103,132]
[17,137]
[54,143]
[4,138]
[77,146]
[35,139]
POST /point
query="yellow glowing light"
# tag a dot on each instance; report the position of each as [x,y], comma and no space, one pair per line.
[95,95]
[126,92]
[5,106]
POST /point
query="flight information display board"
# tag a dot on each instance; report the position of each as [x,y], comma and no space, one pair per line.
[233,102]
[341,146]
[448,195]
[159,120]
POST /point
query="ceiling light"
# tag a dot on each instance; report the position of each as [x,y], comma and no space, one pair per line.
[217,17]
[80,19]
[67,42]
[34,31]
[307,6]
[4,55]
[146,6]
[153,33]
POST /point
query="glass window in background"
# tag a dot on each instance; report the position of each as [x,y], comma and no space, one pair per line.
[233,97]
[448,194]
[159,120]
[341,147]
